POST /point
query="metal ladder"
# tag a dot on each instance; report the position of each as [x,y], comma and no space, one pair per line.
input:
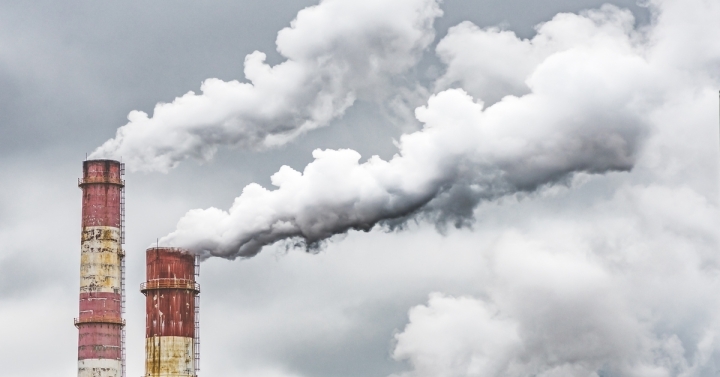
[197,319]
[122,311]
[122,205]
[122,272]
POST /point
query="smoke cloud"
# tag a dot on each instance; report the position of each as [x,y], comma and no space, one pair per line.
[337,51]
[624,288]
[622,283]
[586,111]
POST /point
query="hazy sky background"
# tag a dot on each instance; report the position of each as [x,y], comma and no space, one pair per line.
[612,274]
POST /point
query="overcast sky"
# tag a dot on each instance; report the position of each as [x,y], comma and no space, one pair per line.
[565,221]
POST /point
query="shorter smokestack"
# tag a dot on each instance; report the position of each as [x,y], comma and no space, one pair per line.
[172,347]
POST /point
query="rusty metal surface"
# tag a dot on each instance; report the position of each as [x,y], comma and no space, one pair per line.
[170,283]
[101,193]
[169,263]
[99,304]
[170,311]
[167,356]
[87,181]
[100,320]
[101,205]
[99,368]
[99,341]
[105,170]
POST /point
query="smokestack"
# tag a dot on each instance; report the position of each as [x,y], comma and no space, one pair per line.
[101,343]
[172,347]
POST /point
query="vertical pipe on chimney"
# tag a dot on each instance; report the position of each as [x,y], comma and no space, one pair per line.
[171,292]
[100,322]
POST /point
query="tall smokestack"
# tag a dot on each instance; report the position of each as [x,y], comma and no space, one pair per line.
[101,341]
[172,298]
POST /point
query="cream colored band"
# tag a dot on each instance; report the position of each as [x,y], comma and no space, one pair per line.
[99,368]
[100,259]
[169,356]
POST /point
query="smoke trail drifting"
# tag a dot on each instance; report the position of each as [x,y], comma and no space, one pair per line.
[586,112]
[336,52]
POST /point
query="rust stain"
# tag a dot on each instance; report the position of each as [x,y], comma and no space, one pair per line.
[169,356]
[99,341]
[170,263]
[170,303]
[102,189]
[101,205]
[102,170]
[170,312]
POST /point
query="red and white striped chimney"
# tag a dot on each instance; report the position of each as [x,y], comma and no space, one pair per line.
[100,324]
[171,336]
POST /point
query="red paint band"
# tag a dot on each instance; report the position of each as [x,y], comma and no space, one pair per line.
[99,341]
[170,308]
[169,263]
[100,304]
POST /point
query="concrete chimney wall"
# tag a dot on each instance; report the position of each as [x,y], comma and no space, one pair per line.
[171,348]
[100,323]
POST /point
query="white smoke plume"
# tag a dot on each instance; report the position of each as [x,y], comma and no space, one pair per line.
[615,276]
[588,109]
[625,288]
[336,51]
[620,278]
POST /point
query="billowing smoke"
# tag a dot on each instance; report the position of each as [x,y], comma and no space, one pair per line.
[336,52]
[624,284]
[590,89]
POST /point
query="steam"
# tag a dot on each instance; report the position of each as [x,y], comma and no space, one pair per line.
[618,277]
[336,52]
[586,111]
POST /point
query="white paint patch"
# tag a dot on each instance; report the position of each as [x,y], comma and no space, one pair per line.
[99,368]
